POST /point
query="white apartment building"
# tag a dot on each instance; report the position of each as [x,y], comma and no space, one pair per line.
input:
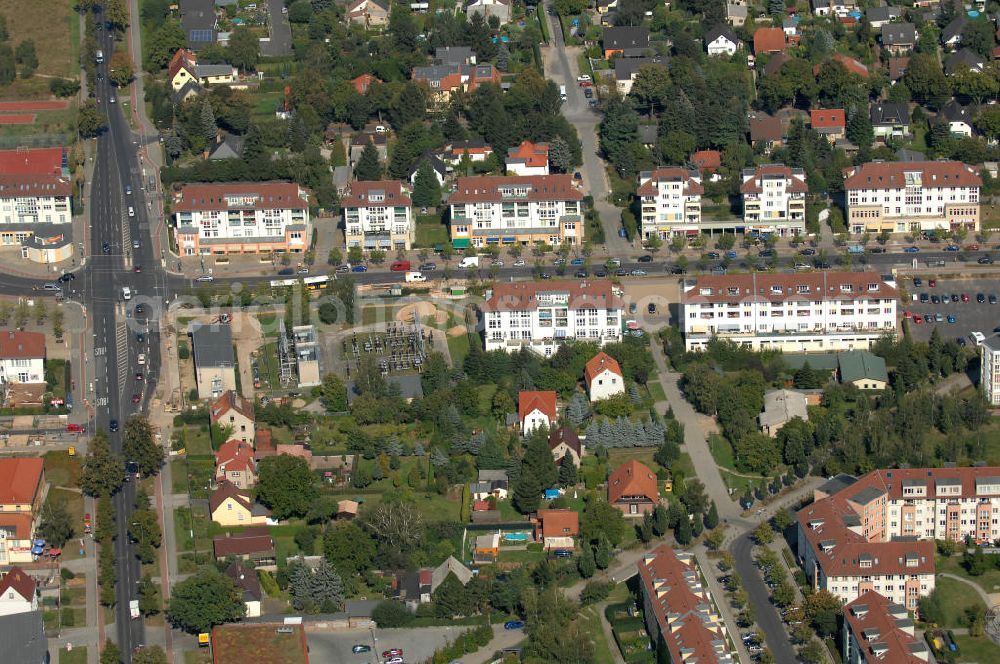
[241,217]
[378,215]
[539,315]
[774,200]
[802,312]
[989,369]
[671,202]
[492,210]
[22,357]
[35,199]
[902,197]
[877,631]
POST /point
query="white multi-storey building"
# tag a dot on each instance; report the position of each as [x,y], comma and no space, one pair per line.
[378,215]
[539,315]
[814,311]
[671,202]
[877,532]
[35,199]
[774,199]
[491,210]
[241,217]
[989,369]
[903,197]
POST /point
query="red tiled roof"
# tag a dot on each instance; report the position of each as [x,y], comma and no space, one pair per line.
[20,480]
[532,155]
[768,40]
[707,160]
[363,82]
[796,182]
[482,506]
[568,436]
[234,455]
[250,541]
[228,490]
[524,295]
[544,402]
[264,444]
[632,479]
[486,188]
[18,186]
[559,523]
[828,118]
[244,195]
[16,579]
[20,524]
[17,345]
[459,149]
[675,173]
[871,613]
[891,175]
[766,128]
[777,287]
[598,364]
[182,59]
[230,401]
[852,65]
[38,161]
[393,194]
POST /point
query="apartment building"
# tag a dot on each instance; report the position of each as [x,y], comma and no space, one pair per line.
[914,196]
[774,200]
[989,369]
[803,312]
[877,533]
[241,218]
[539,315]
[671,202]
[877,631]
[378,215]
[526,210]
[681,615]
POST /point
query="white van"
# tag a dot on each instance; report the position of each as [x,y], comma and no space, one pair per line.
[126,293]
[562,92]
[413,277]
[469,261]
[131,211]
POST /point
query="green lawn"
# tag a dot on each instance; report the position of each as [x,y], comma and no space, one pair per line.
[989,215]
[270,367]
[591,622]
[430,231]
[956,597]
[265,103]
[521,556]
[989,582]
[371,315]
[458,348]
[196,439]
[971,649]
[61,469]
[76,656]
[722,451]
[656,392]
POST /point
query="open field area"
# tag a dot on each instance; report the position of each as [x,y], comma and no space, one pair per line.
[53,26]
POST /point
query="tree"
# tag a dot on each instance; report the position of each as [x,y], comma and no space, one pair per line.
[368,168]
[560,155]
[56,524]
[426,188]
[712,516]
[988,121]
[783,594]
[683,532]
[567,471]
[449,598]
[89,121]
[244,49]
[163,43]
[390,613]
[315,591]
[822,610]
[763,534]
[978,35]
[111,653]
[585,563]
[601,520]
[8,65]
[287,485]
[103,471]
[333,392]
[349,549]
[122,72]
[27,57]
[618,135]
[569,7]
[144,530]
[926,81]
[116,14]
[602,555]
[139,445]
[300,11]
[203,600]
[149,597]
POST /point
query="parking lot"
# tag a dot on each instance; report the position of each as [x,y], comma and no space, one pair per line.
[418,644]
[970,316]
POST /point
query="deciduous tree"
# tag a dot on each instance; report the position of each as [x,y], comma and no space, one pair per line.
[287,485]
[203,600]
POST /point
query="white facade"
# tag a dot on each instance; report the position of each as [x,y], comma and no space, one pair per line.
[670,199]
[960,128]
[606,385]
[901,197]
[774,199]
[12,602]
[989,371]
[44,208]
[818,311]
[378,215]
[22,370]
[541,315]
[536,419]
[722,45]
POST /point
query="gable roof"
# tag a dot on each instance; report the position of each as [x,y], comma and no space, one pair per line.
[768,40]
[568,436]
[632,479]
[827,119]
[775,63]
[954,29]
[626,69]
[250,541]
[962,60]
[707,160]
[882,14]
[20,479]
[721,31]
[228,490]
[559,523]
[650,180]
[879,625]
[20,582]
[18,345]
[532,155]
[387,193]
[764,127]
[861,364]
[899,34]
[246,580]
[889,113]
[363,82]
[234,455]
[892,174]
[491,188]
[450,566]
[852,65]
[230,400]
[526,295]
[437,165]
[22,638]
[626,38]
[545,402]
[598,364]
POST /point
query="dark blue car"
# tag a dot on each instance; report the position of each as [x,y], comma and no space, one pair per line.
[513,624]
[359,268]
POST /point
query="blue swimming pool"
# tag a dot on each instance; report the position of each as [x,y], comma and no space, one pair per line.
[516,537]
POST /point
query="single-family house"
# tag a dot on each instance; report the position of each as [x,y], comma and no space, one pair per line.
[879,16]
[790,26]
[768,41]
[363,82]
[707,161]
[183,68]
[487,548]
[960,118]
[897,68]
[555,529]
[369,13]
[829,122]
[226,146]
[253,544]
[899,38]
[488,8]
[603,377]
[412,587]
[536,409]
[863,369]
[766,131]
[22,485]
[564,441]
[248,585]
[475,149]
[22,357]
[721,40]
[199,22]
[626,41]
[951,34]
[234,461]
[781,406]
[649,135]
[839,8]
[890,119]
[454,55]
[231,506]
[627,70]
[632,488]
[17,592]
[444,80]
[484,489]
[962,61]
[852,65]
[438,167]
[528,159]
[736,14]
[234,414]
[450,566]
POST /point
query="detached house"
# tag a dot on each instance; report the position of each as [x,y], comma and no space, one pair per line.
[604,377]
[899,38]
[627,70]
[960,118]
[528,159]
[951,35]
[555,529]
[736,13]
[22,357]
[234,462]
[369,13]
[236,413]
[963,61]
[632,489]
[879,16]
[829,122]
[184,68]
[18,592]
[564,441]
[231,506]
[890,119]
[625,41]
[488,8]
[249,586]
[536,409]
[768,41]
[720,40]
[766,131]
[253,544]
[443,80]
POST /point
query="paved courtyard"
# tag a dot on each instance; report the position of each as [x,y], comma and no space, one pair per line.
[969,316]
[418,644]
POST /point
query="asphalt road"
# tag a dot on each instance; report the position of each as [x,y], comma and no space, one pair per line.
[280,42]
[767,619]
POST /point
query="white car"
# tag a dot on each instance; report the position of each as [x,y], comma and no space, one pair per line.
[131,211]
[519,262]
[141,359]
[583,78]
[498,263]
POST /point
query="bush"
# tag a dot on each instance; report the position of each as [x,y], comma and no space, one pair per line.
[391,614]
[596,591]
[183,352]
[66,574]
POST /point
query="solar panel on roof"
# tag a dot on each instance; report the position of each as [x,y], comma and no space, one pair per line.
[200,36]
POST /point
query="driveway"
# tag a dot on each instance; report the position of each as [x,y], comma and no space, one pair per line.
[560,63]
[281,32]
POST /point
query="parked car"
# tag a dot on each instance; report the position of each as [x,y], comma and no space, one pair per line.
[359,268]
[985,260]
[912,250]
[341,269]
[113,425]
[577,261]
[393,652]
[360,648]
[646,259]
[638,273]
[513,624]
[932,283]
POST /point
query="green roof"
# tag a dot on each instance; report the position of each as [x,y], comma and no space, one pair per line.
[460,243]
[826,361]
[860,364]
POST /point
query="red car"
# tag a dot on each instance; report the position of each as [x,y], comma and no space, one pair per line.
[932,282]
[972,247]
[400,266]
[136,398]
[965,297]
[917,319]
[392,652]
[907,314]
[75,428]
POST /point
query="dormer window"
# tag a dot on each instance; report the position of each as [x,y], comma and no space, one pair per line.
[802,289]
